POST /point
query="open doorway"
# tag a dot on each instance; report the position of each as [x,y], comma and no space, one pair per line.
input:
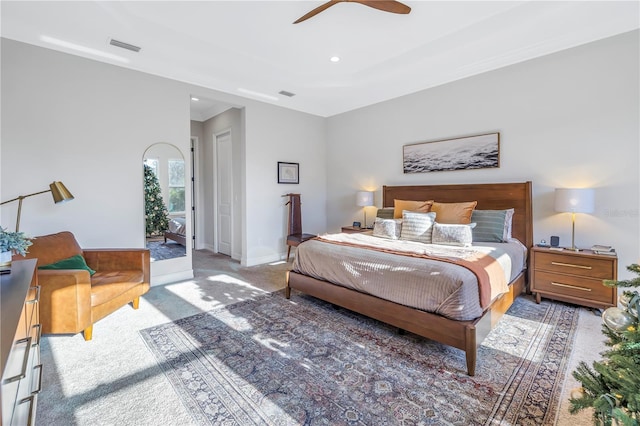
[215,164]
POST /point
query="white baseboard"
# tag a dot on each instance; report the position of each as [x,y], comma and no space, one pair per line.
[279,257]
[171,278]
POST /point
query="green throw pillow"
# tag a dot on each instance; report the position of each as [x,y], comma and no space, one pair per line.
[74,262]
[385,213]
[490,225]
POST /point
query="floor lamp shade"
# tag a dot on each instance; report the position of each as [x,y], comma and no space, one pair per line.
[364,199]
[574,200]
[59,192]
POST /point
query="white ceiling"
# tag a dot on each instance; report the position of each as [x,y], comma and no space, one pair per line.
[253,45]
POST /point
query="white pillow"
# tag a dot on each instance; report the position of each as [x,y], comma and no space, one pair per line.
[452,234]
[417,226]
[508,222]
[387,228]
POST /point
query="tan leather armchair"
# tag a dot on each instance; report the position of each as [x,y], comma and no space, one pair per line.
[72,301]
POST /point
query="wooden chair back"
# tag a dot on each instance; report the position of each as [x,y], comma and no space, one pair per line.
[295,217]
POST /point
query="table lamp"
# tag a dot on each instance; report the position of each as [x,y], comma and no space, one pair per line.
[574,200]
[364,199]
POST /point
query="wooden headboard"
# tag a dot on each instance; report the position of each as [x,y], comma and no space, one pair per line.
[490,196]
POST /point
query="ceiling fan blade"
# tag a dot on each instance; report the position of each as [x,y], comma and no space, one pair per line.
[317,10]
[386,5]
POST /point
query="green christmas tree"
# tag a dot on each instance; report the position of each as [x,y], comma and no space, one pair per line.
[155,212]
[612,387]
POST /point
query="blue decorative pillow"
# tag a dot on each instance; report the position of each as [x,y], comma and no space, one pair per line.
[73,262]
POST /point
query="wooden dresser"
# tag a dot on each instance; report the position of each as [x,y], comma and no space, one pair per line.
[574,277]
[20,344]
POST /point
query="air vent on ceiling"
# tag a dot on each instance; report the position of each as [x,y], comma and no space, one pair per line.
[124,45]
[285,93]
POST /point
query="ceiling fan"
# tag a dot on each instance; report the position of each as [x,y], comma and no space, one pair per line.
[385,5]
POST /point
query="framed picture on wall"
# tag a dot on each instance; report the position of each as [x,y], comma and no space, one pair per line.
[464,153]
[288,172]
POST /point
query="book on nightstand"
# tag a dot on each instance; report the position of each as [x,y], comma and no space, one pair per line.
[602,249]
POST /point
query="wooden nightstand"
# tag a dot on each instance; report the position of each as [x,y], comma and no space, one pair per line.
[354,229]
[574,277]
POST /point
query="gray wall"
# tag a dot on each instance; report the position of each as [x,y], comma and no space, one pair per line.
[566,120]
[307,147]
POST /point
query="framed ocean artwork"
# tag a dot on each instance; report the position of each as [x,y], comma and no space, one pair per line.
[464,153]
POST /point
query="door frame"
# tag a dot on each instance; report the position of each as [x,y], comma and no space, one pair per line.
[197,240]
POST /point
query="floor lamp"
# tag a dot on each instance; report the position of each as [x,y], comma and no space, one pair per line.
[59,192]
[574,200]
[364,199]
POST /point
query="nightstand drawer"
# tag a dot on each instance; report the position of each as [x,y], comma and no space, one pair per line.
[575,265]
[573,286]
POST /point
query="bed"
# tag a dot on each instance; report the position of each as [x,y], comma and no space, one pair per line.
[465,334]
[177,231]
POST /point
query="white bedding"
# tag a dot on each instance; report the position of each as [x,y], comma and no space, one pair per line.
[177,225]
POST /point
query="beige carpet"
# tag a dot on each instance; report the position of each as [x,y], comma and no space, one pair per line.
[114,380]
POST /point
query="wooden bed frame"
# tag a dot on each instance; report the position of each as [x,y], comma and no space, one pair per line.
[465,335]
[178,238]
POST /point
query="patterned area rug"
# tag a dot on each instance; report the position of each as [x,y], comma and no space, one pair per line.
[302,361]
[161,250]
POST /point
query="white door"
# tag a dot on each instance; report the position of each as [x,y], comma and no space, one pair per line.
[224,191]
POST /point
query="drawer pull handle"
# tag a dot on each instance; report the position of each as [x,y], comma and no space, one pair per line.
[32,407]
[27,342]
[36,299]
[571,265]
[38,334]
[39,388]
[570,286]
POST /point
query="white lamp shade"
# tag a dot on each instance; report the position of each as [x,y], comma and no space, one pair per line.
[574,200]
[364,198]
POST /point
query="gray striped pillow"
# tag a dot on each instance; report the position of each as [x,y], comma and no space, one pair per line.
[490,225]
[417,226]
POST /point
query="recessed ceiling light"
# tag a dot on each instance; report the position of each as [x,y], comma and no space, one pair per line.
[335,59]
[83,49]
[193,98]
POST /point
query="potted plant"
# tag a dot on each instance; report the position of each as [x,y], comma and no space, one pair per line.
[10,243]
